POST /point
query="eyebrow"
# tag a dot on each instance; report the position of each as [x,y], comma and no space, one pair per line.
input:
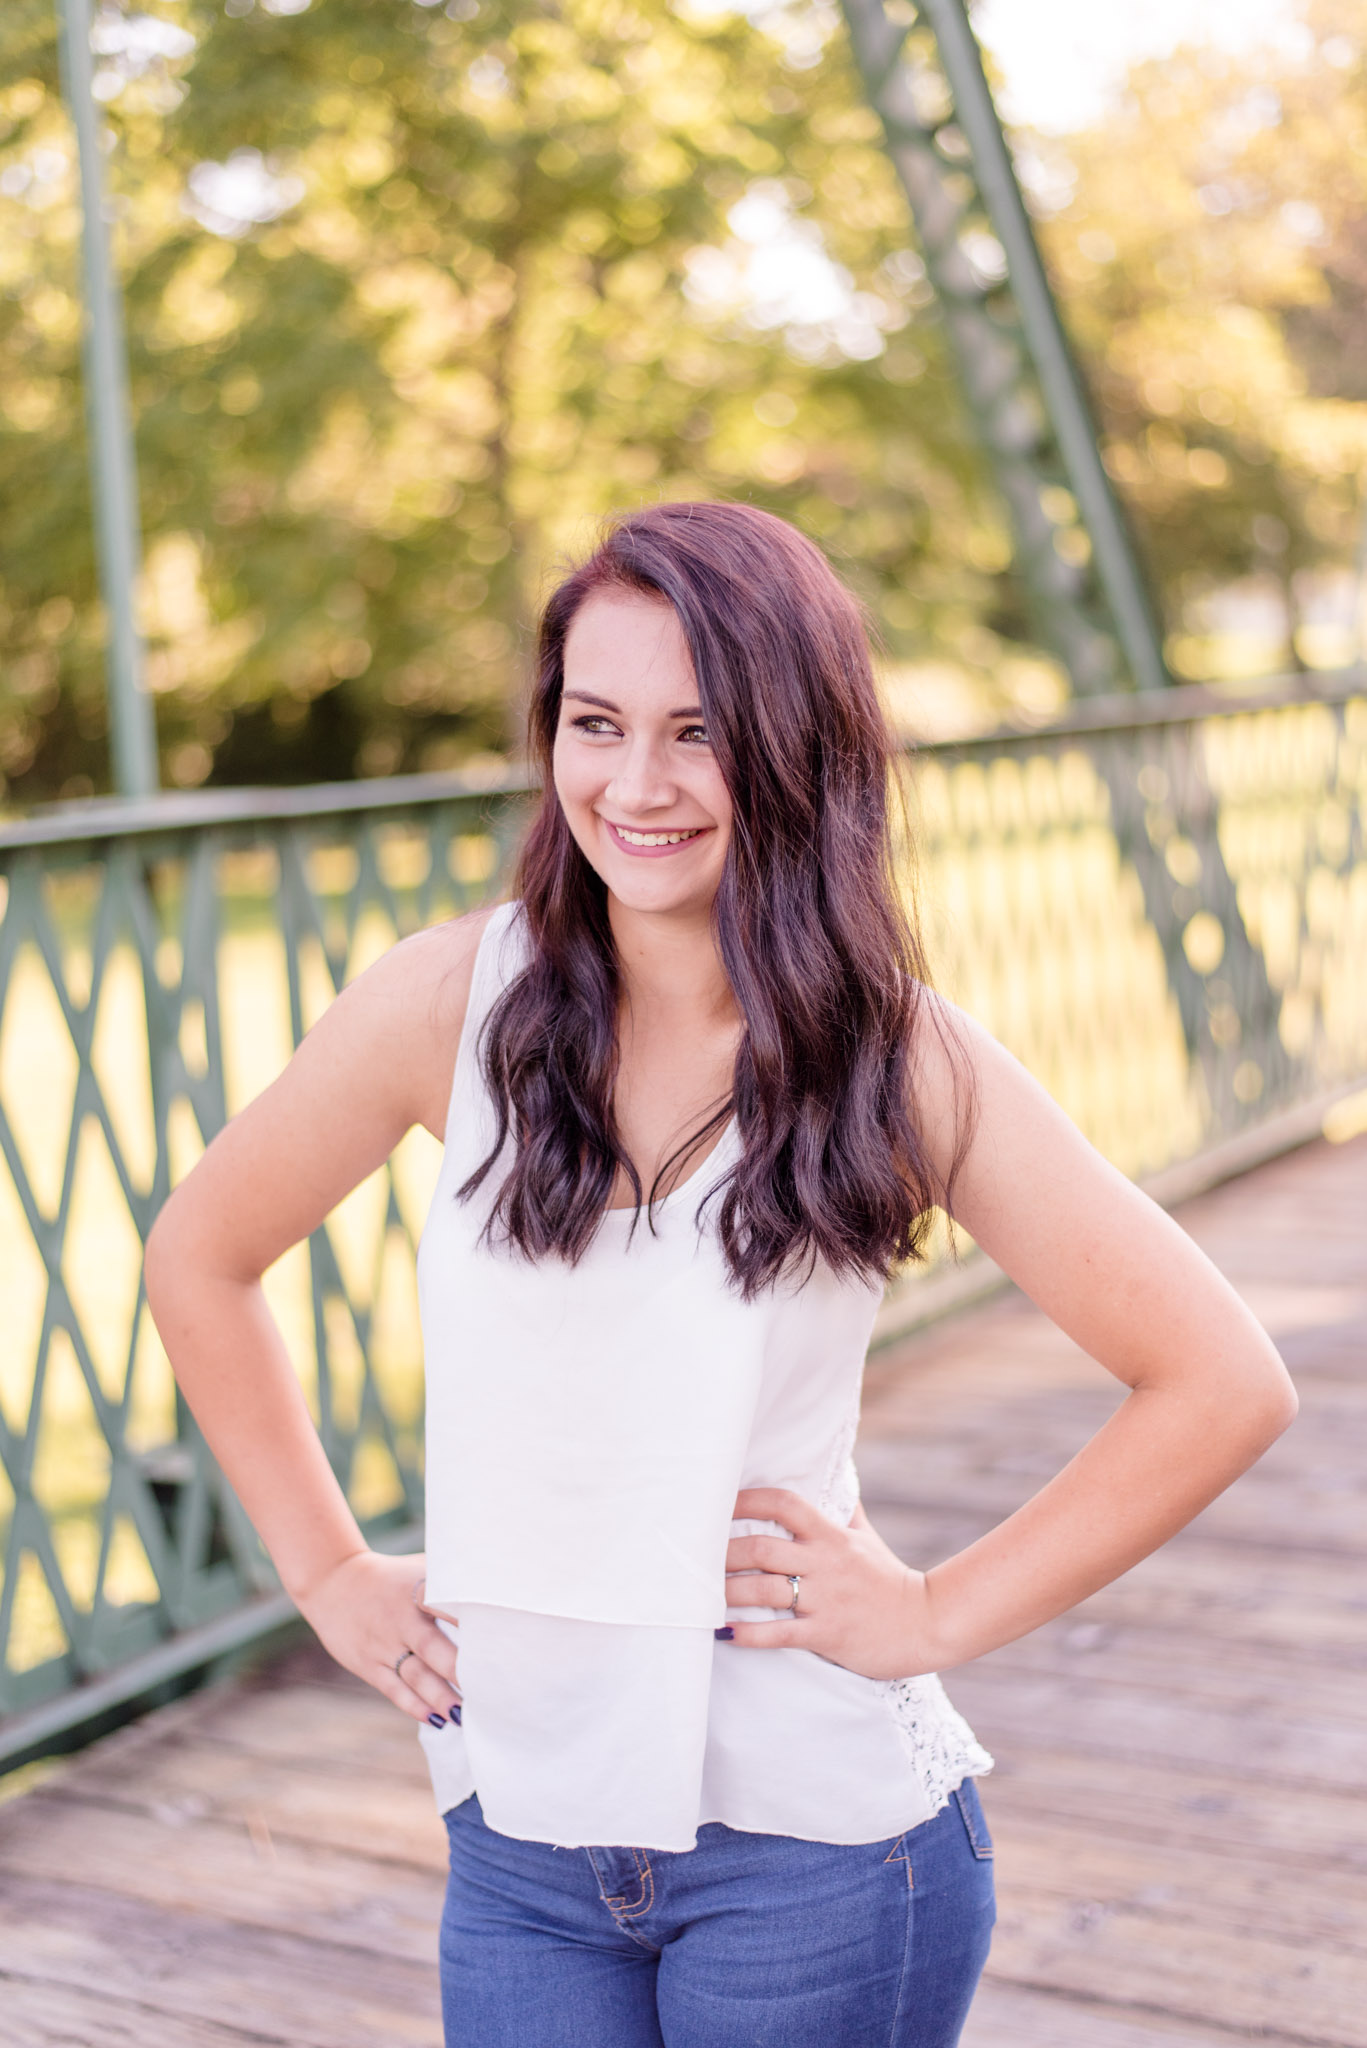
[586,697]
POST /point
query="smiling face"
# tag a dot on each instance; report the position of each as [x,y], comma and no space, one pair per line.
[635,775]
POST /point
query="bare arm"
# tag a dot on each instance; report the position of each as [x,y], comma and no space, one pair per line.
[378,1061]
[1209,1394]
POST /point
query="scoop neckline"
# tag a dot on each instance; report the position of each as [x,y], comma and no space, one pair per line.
[633,1209]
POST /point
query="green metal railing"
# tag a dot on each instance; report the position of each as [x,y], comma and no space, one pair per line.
[1160,903]
[158,962]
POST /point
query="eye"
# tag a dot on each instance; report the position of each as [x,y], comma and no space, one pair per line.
[591,721]
[700,730]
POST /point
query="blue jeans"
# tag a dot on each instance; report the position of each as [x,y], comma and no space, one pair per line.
[746,1941]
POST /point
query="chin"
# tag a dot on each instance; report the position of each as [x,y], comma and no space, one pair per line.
[646,892]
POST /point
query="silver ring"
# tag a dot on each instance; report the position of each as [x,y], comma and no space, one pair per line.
[402,1654]
[795,1581]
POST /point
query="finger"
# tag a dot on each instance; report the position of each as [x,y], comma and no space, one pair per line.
[426,1664]
[419,1690]
[763,1554]
[405,1698]
[433,1647]
[772,1635]
[758,1589]
[778,1504]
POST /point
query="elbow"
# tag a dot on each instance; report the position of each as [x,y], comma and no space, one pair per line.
[1284,1406]
[157,1258]
[164,1256]
[1248,1401]
[1274,1406]
[186,1258]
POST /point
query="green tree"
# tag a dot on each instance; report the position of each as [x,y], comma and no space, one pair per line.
[417,294]
[1212,258]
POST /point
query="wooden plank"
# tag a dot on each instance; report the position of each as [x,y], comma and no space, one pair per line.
[302,1723]
[1040,1420]
[192,1967]
[1231,1811]
[242,1872]
[1141,1722]
[55,2016]
[1337,1357]
[965,1479]
[1252,1677]
[1262,1596]
[1293,1901]
[1199,1972]
[183,1779]
[1008,2015]
[306,1722]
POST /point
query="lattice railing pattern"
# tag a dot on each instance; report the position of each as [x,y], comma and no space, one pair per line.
[1166,919]
[158,963]
[152,981]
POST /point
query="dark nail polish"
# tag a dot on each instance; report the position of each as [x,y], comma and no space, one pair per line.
[437,1720]
[455,1715]
[724,1635]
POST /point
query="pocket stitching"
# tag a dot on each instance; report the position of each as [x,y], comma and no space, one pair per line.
[899,1853]
[980,1843]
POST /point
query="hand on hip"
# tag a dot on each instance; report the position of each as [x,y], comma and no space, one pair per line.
[837,1590]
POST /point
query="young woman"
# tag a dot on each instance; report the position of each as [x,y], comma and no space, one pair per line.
[705,1789]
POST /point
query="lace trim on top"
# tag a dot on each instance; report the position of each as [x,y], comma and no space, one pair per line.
[940,1746]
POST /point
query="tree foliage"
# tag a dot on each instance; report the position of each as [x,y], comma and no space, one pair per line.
[1213,257]
[491,293]
[417,293]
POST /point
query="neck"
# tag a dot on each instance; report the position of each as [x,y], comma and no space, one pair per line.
[670,967]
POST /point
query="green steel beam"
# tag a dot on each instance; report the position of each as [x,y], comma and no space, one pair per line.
[1065,395]
[924,76]
[37,1730]
[113,472]
[923,73]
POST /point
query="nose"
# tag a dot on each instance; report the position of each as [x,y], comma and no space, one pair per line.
[642,782]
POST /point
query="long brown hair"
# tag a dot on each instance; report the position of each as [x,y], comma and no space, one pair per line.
[823,959]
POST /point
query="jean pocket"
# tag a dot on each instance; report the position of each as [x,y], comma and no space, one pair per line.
[975,1822]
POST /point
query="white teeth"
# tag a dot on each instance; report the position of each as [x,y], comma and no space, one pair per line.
[654,838]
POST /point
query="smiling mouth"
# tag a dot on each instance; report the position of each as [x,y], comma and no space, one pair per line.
[654,842]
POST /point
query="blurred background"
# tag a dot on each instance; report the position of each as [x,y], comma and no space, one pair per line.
[416,293]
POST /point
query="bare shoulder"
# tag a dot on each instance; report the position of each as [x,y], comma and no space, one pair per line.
[417,995]
[948,1052]
[429,973]
[378,1061]
[1098,1256]
[980,1111]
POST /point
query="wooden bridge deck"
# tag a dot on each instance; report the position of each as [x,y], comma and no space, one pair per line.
[1180,1802]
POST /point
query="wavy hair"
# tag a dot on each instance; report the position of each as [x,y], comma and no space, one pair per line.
[810,919]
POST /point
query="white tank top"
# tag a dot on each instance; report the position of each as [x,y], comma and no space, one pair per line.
[588,1429]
